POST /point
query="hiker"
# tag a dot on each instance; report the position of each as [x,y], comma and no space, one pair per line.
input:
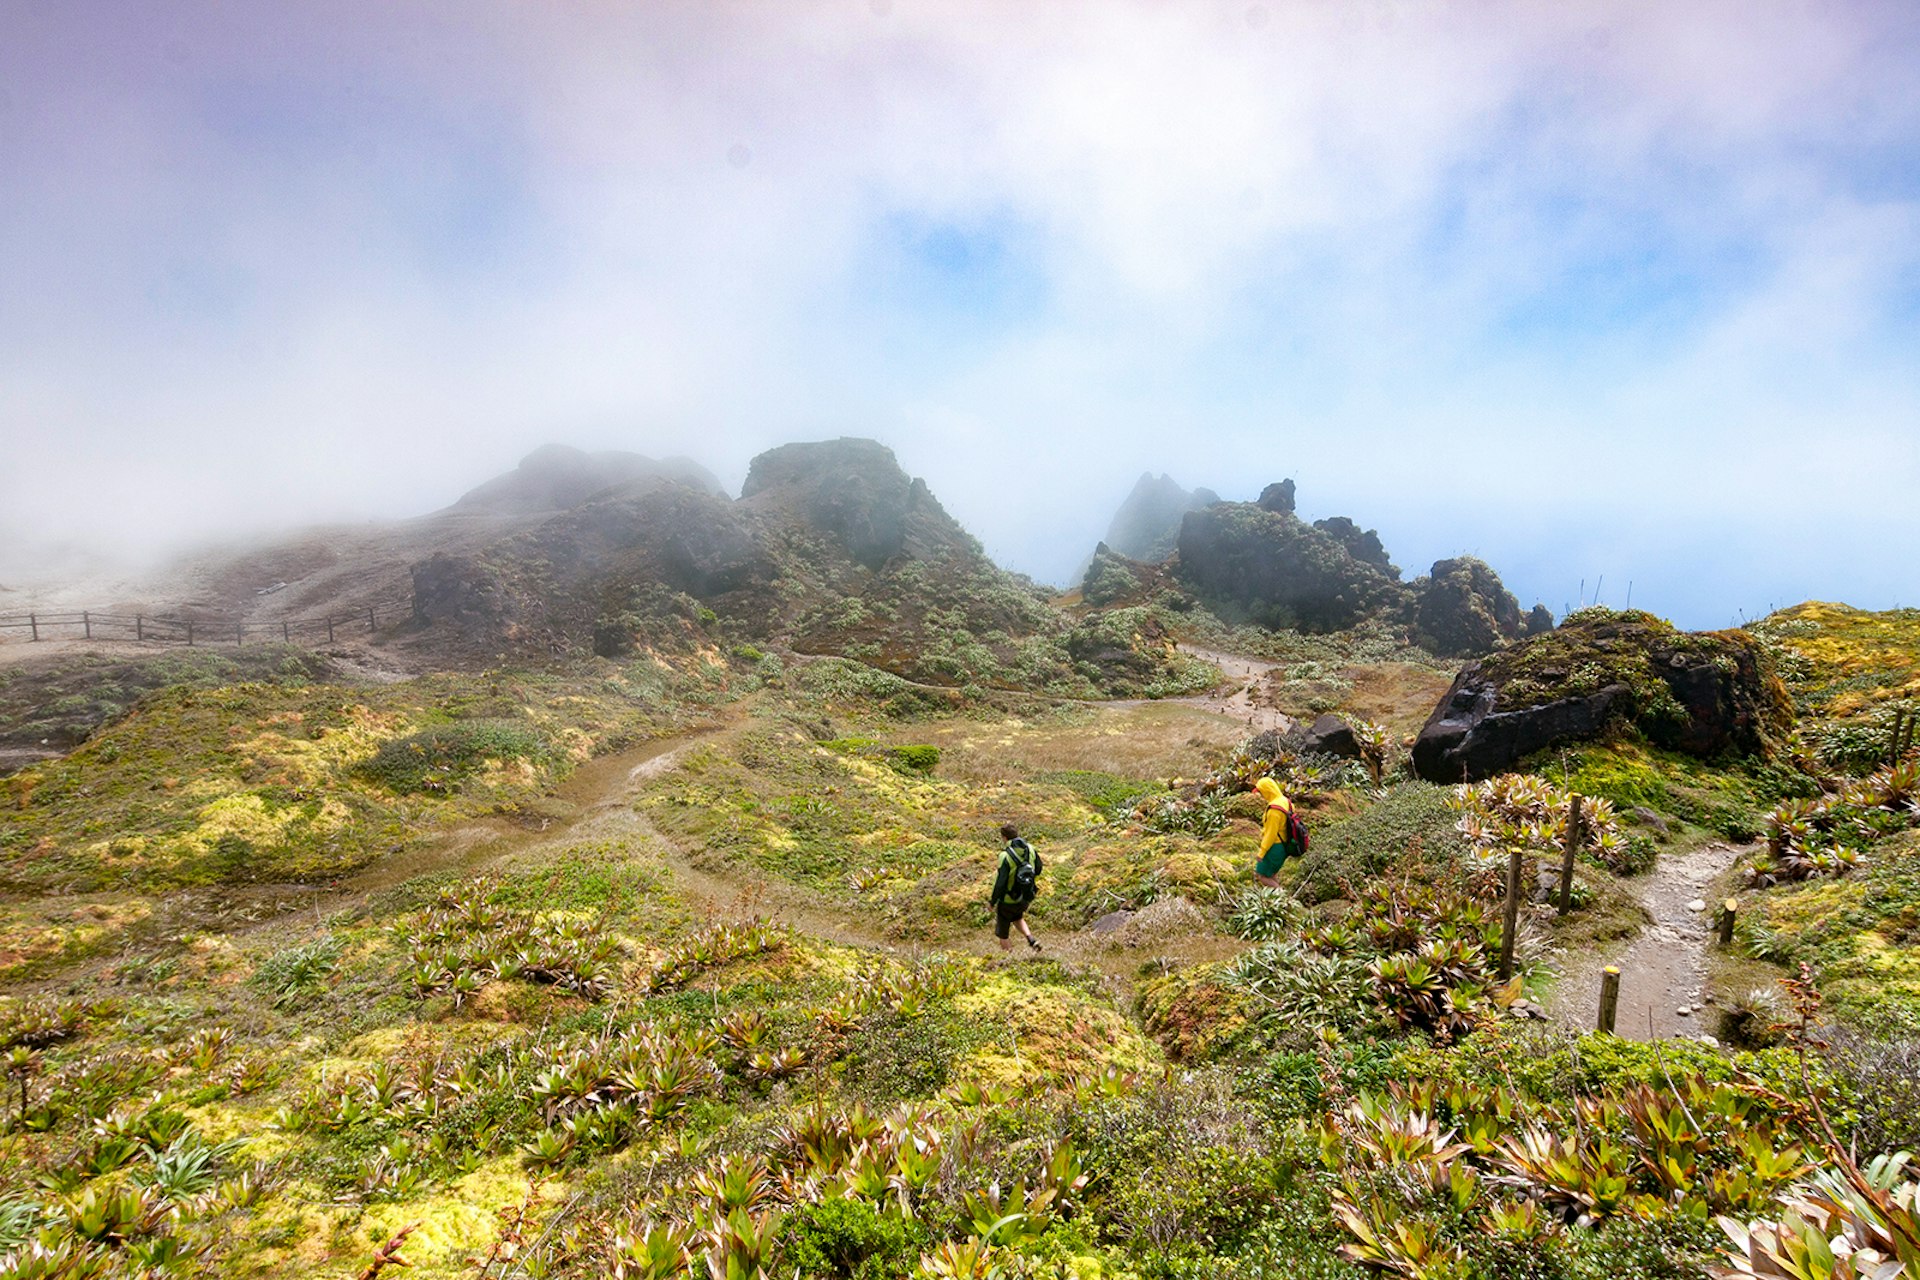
[1015,886]
[1277,843]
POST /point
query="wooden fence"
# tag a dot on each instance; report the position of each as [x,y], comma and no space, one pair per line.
[197,630]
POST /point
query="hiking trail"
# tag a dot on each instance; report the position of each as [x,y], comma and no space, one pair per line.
[1245,698]
[1663,968]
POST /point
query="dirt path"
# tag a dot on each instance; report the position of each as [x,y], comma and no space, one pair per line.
[1245,698]
[1663,968]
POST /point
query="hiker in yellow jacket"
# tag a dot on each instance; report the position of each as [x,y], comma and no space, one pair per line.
[1275,848]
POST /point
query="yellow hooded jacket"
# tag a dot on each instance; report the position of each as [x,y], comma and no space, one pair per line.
[1274,829]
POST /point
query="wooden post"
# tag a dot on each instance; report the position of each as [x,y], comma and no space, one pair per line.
[285,634]
[33,621]
[189,633]
[1727,911]
[1576,835]
[1516,858]
[1609,997]
[371,626]
[86,620]
[139,627]
[329,628]
[239,634]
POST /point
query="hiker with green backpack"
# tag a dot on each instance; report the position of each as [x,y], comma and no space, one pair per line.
[1015,886]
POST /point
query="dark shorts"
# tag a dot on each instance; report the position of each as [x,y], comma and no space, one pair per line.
[1005,914]
[1274,859]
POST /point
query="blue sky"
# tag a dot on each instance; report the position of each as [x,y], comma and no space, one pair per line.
[1590,290]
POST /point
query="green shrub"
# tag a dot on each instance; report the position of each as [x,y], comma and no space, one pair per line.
[439,757]
[847,1240]
[297,974]
[917,758]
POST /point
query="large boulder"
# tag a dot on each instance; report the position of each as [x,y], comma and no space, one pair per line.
[1247,562]
[1705,693]
[1148,523]
[1461,608]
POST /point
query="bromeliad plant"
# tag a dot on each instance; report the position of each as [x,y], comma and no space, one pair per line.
[1827,835]
[1519,810]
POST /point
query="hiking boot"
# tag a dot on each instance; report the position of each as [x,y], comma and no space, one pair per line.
[1034,943]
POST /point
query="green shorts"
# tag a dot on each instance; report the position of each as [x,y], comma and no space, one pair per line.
[1273,859]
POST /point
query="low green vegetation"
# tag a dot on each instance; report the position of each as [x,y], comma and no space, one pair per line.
[299,976]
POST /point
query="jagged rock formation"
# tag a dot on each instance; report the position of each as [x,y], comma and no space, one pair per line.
[555,477]
[1277,498]
[1705,693]
[1148,523]
[854,491]
[1250,562]
[1462,608]
[1362,544]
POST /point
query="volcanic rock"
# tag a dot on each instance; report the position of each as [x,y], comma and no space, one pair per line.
[1147,525]
[1704,693]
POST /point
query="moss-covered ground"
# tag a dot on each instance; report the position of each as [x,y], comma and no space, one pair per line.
[675,969]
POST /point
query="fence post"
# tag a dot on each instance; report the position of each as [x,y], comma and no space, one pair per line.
[1516,858]
[329,628]
[371,626]
[1609,997]
[139,627]
[189,633]
[1576,834]
[86,620]
[33,621]
[1727,911]
[284,633]
[239,634]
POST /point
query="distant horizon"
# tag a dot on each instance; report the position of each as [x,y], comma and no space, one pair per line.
[1587,593]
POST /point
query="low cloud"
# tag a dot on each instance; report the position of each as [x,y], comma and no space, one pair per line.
[1582,289]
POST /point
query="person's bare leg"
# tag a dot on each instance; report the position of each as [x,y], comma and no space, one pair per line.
[1272,882]
[1025,932]
[1006,944]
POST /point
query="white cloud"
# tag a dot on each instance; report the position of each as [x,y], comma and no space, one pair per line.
[296,268]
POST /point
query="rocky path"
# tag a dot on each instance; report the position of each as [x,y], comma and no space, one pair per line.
[1243,693]
[1663,968]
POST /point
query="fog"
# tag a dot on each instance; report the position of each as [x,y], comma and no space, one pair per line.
[1593,291]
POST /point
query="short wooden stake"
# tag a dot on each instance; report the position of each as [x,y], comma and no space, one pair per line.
[1516,858]
[371,625]
[33,621]
[285,633]
[189,633]
[1727,911]
[329,628]
[1609,997]
[86,620]
[1576,834]
[239,633]
[139,627]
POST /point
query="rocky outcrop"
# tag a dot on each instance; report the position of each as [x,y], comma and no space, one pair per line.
[1147,525]
[1363,545]
[854,492]
[1539,620]
[1462,608]
[1330,736]
[1705,693]
[556,477]
[1247,562]
[463,592]
[1277,498]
